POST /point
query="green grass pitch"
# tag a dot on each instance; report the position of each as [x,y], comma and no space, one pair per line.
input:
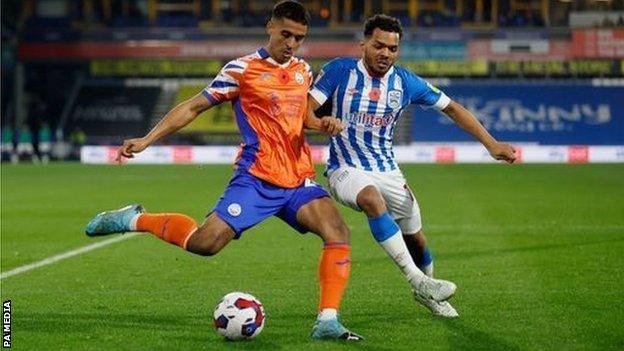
[536,250]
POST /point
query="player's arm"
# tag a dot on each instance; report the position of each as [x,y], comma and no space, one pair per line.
[468,122]
[174,120]
[326,124]
[322,89]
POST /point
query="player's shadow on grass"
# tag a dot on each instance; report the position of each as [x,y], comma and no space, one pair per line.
[465,337]
[507,250]
[184,331]
[502,251]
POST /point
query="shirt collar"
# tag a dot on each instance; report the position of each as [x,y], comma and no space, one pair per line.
[264,54]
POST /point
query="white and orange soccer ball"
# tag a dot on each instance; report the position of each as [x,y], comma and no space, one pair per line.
[239,316]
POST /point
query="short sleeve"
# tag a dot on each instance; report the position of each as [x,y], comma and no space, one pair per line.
[424,94]
[225,86]
[326,81]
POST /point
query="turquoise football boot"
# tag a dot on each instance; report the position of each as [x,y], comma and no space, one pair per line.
[332,330]
[111,222]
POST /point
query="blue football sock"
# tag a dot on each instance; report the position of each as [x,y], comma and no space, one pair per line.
[383,227]
[426,258]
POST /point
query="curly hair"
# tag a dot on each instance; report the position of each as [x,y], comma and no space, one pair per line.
[383,22]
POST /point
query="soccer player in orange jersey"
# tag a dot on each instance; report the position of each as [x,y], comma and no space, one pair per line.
[274,171]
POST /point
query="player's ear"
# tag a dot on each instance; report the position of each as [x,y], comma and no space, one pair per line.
[269,26]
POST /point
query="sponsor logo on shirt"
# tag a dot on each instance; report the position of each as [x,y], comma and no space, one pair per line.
[265,76]
[309,182]
[370,119]
[353,91]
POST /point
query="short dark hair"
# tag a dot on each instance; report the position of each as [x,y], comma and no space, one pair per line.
[292,10]
[383,22]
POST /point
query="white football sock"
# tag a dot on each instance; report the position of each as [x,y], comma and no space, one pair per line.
[397,250]
[327,314]
[133,221]
[428,270]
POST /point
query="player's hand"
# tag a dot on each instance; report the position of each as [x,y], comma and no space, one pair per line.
[503,152]
[131,147]
[331,125]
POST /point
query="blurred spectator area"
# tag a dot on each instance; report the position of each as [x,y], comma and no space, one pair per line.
[59,55]
[81,14]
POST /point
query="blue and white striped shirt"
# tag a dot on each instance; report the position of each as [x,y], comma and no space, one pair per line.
[369,108]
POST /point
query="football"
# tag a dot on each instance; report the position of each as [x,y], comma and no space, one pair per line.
[239,316]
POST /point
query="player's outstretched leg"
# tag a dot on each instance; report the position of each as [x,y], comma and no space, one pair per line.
[417,246]
[389,236]
[175,228]
[321,217]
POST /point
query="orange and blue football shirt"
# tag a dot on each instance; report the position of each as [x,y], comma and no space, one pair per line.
[270,105]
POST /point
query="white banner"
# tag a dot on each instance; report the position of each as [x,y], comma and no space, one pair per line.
[414,153]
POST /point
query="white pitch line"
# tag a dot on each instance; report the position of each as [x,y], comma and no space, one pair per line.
[68,254]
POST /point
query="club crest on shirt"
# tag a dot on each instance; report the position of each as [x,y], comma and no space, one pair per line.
[394,98]
[234,209]
[299,78]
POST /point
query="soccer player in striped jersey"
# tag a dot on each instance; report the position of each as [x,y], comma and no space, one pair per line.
[268,90]
[368,96]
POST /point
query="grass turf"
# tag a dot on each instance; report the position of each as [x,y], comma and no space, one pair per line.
[536,250]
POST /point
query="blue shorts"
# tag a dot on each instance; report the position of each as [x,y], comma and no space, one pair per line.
[248,200]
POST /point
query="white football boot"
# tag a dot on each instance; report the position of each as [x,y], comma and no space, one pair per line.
[442,309]
[436,289]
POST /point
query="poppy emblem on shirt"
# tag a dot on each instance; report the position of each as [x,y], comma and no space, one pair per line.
[374,94]
[283,77]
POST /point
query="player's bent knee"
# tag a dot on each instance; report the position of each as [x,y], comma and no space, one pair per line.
[371,202]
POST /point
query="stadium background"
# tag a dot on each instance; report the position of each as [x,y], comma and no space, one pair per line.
[545,75]
[536,249]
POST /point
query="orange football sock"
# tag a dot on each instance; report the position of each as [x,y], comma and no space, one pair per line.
[174,228]
[334,269]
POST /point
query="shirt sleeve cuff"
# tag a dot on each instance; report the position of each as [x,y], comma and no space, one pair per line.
[318,96]
[442,102]
[210,98]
